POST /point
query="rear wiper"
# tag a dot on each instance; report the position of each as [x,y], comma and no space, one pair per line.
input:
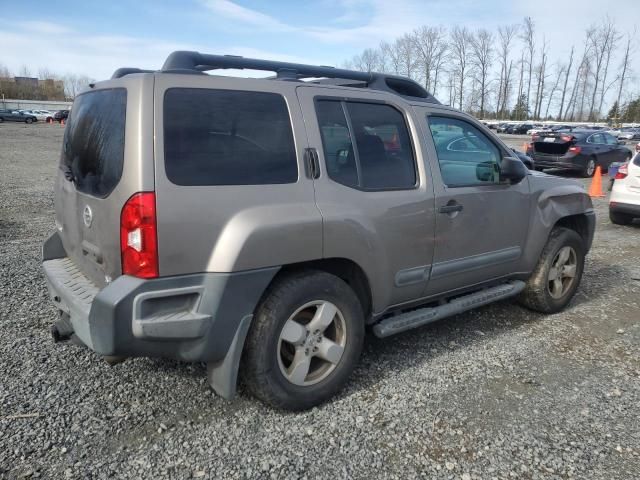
[68,174]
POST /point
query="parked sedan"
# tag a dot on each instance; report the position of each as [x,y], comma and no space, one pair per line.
[41,115]
[579,150]
[16,116]
[628,133]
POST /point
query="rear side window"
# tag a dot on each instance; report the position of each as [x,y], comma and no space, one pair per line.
[382,157]
[93,145]
[227,137]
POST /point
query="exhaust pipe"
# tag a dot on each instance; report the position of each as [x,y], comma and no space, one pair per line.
[62,331]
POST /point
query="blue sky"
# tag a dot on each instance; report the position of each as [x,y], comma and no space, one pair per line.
[95,38]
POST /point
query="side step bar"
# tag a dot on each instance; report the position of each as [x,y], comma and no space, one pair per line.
[417,318]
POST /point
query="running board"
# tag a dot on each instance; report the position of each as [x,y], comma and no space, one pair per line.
[417,318]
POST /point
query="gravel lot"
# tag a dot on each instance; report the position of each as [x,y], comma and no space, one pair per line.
[496,393]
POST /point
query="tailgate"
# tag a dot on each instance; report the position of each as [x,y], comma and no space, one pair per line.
[100,141]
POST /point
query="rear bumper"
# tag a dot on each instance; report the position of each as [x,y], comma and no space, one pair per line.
[556,161]
[628,208]
[189,317]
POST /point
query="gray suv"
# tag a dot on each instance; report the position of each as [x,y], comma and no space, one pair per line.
[262,225]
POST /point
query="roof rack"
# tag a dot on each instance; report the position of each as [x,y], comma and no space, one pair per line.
[195,62]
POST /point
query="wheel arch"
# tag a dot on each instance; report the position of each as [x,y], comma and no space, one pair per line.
[347,270]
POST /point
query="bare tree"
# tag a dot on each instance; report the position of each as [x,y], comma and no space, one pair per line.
[481,59]
[506,35]
[624,66]
[528,37]
[460,39]
[391,56]
[541,77]
[407,55]
[601,40]
[566,81]
[559,74]
[74,84]
[430,44]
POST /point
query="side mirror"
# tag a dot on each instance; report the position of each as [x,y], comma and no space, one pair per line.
[512,170]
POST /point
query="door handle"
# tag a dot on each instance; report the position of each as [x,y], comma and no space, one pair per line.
[452,208]
[313,163]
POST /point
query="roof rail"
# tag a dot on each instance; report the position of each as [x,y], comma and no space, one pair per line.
[195,62]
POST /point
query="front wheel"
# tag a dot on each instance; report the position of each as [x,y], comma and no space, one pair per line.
[558,273]
[304,342]
[28,120]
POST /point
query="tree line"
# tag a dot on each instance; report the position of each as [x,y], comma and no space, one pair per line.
[509,73]
[72,84]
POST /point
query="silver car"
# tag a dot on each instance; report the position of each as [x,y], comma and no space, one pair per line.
[261,225]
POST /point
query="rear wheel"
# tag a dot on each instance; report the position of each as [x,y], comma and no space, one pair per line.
[558,273]
[620,218]
[589,167]
[304,342]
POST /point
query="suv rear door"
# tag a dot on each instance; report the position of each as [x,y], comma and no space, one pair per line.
[481,222]
[231,189]
[374,193]
[106,157]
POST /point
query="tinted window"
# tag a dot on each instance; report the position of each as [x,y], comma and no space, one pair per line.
[610,139]
[465,154]
[596,138]
[382,157]
[227,137]
[93,145]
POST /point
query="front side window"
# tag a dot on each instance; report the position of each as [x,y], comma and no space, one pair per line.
[465,154]
[380,158]
[227,137]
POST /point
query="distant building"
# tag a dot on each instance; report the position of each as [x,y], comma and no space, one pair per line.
[26,81]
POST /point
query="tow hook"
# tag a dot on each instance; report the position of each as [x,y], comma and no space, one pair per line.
[61,330]
[113,359]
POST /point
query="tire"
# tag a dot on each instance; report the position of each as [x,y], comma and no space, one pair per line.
[620,218]
[28,121]
[589,167]
[267,367]
[537,294]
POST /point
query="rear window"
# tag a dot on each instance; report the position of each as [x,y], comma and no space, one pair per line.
[227,137]
[93,145]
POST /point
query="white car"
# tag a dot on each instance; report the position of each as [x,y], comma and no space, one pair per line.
[41,115]
[629,134]
[624,202]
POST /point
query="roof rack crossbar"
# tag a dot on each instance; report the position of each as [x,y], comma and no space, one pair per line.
[195,63]
[184,60]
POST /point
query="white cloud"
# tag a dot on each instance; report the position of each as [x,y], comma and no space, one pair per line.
[44,27]
[100,55]
[232,11]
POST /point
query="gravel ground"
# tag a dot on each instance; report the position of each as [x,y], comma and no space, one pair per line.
[495,393]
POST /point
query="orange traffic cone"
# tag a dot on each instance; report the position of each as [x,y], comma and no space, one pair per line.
[595,190]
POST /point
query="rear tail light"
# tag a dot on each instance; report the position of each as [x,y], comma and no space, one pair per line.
[530,147]
[535,137]
[638,147]
[575,149]
[566,138]
[138,236]
[622,172]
